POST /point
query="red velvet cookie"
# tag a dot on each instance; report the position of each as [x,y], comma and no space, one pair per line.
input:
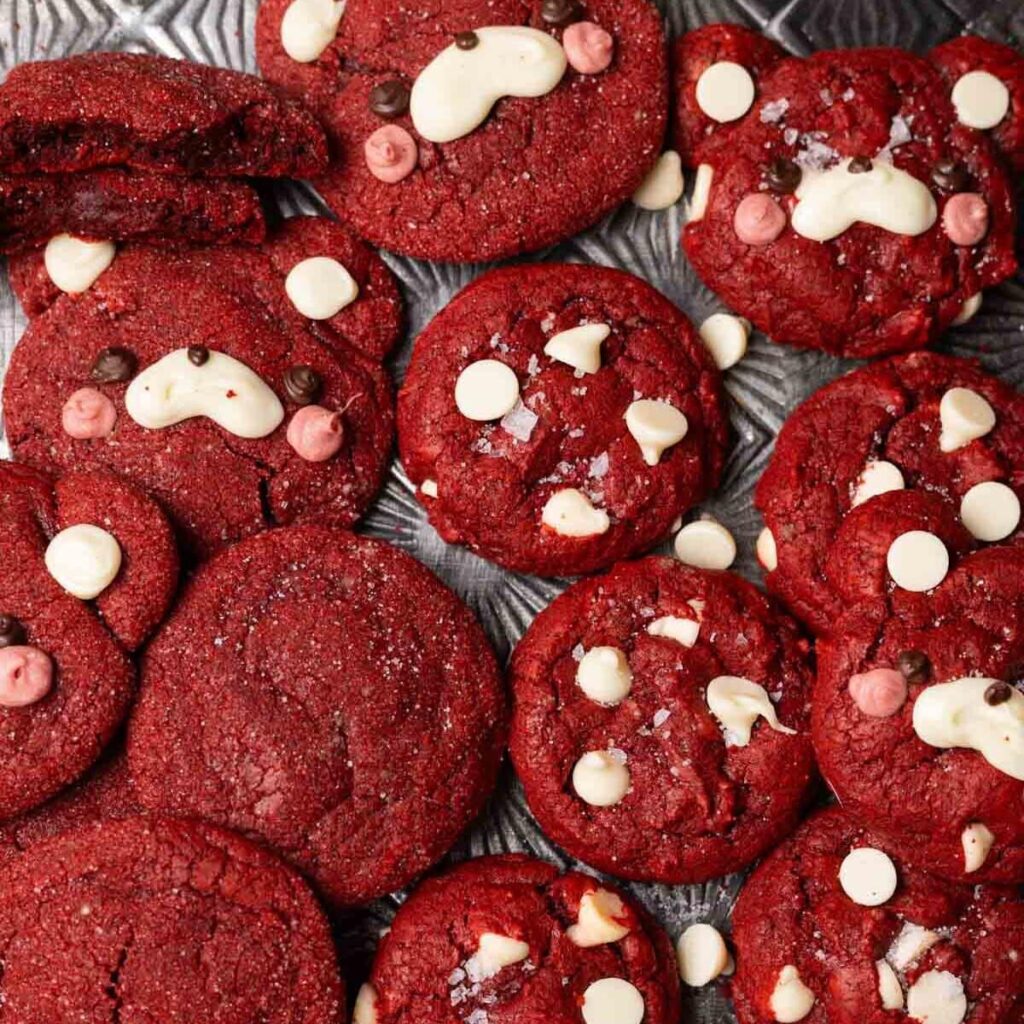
[151,113]
[165,921]
[661,724]
[835,927]
[919,712]
[848,210]
[878,429]
[216,378]
[66,681]
[558,417]
[448,145]
[324,693]
[509,939]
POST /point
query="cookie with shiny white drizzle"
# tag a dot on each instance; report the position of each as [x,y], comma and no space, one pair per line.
[903,943]
[557,417]
[242,386]
[510,935]
[89,569]
[639,692]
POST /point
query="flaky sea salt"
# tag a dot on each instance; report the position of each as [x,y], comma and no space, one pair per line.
[519,422]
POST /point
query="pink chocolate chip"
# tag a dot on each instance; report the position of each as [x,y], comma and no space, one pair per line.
[390,153]
[588,47]
[759,219]
[88,413]
[878,693]
[315,433]
[965,218]
[26,675]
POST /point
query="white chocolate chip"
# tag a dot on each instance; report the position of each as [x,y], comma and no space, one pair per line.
[222,389]
[725,337]
[663,185]
[579,347]
[683,631]
[917,561]
[725,91]
[910,945]
[956,714]
[655,426]
[737,704]
[320,287]
[868,876]
[495,952]
[968,310]
[767,552]
[701,193]
[599,920]
[701,954]
[74,264]
[486,390]
[889,989]
[977,841]
[981,99]
[455,92]
[429,488]
[990,511]
[706,545]
[937,997]
[791,999]
[84,560]
[878,477]
[308,28]
[570,513]
[603,674]
[965,416]
[600,779]
[365,1009]
[612,1001]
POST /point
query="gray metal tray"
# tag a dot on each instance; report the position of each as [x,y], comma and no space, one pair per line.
[763,388]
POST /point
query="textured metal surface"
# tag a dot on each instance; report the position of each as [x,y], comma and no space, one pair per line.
[763,388]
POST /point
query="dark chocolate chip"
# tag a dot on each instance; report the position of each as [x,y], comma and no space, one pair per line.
[950,175]
[302,384]
[112,365]
[12,632]
[859,165]
[998,693]
[783,175]
[198,355]
[390,98]
[915,666]
[467,40]
[561,12]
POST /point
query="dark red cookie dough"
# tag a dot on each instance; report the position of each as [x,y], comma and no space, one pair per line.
[425,971]
[696,808]
[867,291]
[491,486]
[152,113]
[924,796]
[162,920]
[324,693]
[119,205]
[792,911]
[888,411]
[692,54]
[218,487]
[47,744]
[536,171]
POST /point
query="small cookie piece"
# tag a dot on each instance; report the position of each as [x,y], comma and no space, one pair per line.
[567,414]
[716,703]
[326,694]
[806,951]
[441,962]
[870,434]
[168,920]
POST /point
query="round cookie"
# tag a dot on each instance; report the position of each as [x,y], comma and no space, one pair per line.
[324,693]
[848,211]
[662,722]
[540,418]
[520,171]
[163,920]
[809,948]
[510,938]
[918,716]
[237,435]
[66,681]
[876,428]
